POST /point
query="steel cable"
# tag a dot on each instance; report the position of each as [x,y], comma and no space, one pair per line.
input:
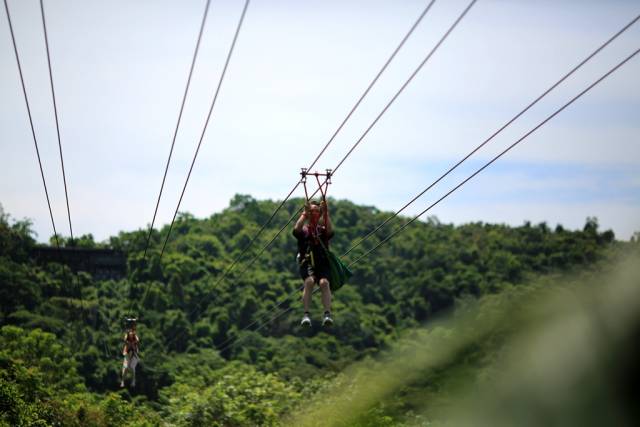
[224,347]
[333,136]
[620,64]
[204,129]
[55,113]
[175,132]
[331,139]
[368,129]
[33,132]
[493,135]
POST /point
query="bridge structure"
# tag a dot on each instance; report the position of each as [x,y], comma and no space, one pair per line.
[101,263]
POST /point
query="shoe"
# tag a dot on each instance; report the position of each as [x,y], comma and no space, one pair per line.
[306,321]
[327,320]
[122,384]
[133,384]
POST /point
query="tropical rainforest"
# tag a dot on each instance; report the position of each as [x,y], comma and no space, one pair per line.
[473,324]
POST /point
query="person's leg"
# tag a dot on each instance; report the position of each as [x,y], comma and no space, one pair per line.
[326,294]
[306,293]
[306,300]
[124,370]
[134,362]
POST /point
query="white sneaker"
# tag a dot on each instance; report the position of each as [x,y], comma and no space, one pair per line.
[306,321]
[327,320]
[122,384]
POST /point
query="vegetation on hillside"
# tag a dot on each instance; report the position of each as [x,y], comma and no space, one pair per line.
[210,354]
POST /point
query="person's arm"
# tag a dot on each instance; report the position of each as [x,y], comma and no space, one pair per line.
[297,229]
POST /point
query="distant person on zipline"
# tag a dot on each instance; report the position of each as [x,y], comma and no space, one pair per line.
[313,230]
[130,351]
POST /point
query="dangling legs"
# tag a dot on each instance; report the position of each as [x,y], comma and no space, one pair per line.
[124,370]
[306,300]
[326,294]
[326,302]
[132,366]
[307,292]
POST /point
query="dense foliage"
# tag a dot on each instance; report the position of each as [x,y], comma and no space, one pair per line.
[215,351]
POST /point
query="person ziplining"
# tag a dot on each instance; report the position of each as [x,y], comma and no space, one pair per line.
[313,230]
[316,264]
[130,352]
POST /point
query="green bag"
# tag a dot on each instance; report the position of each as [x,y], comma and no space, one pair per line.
[339,273]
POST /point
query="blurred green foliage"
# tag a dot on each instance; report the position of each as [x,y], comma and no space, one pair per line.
[62,330]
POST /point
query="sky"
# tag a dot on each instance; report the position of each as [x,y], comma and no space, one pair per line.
[120,69]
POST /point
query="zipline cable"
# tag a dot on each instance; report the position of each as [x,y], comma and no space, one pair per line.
[173,140]
[175,132]
[384,110]
[24,91]
[373,82]
[406,83]
[333,136]
[75,276]
[463,182]
[206,123]
[204,129]
[620,64]
[368,129]
[459,185]
[231,342]
[33,132]
[55,113]
[496,133]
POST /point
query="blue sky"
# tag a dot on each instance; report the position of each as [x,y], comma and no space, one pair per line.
[120,69]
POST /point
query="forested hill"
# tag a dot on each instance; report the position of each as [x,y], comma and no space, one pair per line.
[61,333]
